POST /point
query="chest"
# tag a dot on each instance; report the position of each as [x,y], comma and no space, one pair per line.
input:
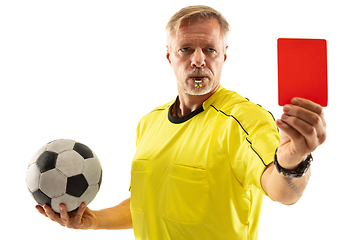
[193,143]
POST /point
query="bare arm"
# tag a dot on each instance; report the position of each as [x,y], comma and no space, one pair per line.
[283,189]
[303,129]
[118,217]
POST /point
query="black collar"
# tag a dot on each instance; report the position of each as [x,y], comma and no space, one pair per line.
[183,118]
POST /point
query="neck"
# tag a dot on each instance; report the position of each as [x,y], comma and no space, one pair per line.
[188,103]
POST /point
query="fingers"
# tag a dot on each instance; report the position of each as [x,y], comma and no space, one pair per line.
[52,215]
[307,104]
[40,210]
[310,112]
[64,214]
[75,221]
[79,214]
[304,123]
[63,218]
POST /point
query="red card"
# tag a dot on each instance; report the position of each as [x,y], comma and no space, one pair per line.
[302,70]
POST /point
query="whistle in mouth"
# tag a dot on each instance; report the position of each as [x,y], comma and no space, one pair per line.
[198,82]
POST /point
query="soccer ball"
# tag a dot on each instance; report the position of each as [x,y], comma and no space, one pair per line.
[64,171]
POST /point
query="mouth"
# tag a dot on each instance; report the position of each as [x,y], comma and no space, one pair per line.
[198,81]
[198,78]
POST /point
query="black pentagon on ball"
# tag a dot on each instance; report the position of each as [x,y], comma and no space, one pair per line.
[83,150]
[41,198]
[76,185]
[47,161]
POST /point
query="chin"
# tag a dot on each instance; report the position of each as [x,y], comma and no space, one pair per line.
[192,90]
[207,87]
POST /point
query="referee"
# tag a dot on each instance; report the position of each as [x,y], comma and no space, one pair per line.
[205,160]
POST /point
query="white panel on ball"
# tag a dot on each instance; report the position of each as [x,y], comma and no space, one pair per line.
[92,170]
[53,183]
[61,145]
[32,177]
[70,163]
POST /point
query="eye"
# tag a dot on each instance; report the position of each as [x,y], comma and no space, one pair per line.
[211,50]
[185,49]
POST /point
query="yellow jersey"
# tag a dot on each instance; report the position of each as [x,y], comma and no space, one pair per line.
[198,176]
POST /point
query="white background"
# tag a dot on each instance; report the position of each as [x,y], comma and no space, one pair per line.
[89,70]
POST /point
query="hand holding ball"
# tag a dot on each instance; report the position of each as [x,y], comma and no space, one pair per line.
[64,171]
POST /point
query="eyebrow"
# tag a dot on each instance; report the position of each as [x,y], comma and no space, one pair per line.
[206,45]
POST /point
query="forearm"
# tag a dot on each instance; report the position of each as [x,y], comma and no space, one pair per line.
[118,217]
[284,189]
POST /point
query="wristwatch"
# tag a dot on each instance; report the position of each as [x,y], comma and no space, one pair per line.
[302,169]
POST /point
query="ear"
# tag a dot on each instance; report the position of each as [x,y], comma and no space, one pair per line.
[168,54]
[225,54]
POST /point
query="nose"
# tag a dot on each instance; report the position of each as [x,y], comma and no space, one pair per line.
[198,59]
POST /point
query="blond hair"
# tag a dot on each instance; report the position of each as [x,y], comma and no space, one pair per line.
[197,13]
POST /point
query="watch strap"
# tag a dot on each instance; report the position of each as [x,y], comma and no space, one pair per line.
[301,170]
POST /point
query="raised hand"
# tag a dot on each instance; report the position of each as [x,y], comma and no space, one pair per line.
[303,129]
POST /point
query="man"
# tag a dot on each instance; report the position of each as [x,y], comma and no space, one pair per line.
[204,160]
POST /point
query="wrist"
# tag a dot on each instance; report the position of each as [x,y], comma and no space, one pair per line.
[290,166]
[289,161]
[293,171]
[95,223]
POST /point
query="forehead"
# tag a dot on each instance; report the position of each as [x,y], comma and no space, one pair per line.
[206,31]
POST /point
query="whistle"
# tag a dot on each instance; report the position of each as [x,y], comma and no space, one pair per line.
[198,82]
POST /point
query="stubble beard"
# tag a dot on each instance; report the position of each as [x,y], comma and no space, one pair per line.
[207,84]
[191,89]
